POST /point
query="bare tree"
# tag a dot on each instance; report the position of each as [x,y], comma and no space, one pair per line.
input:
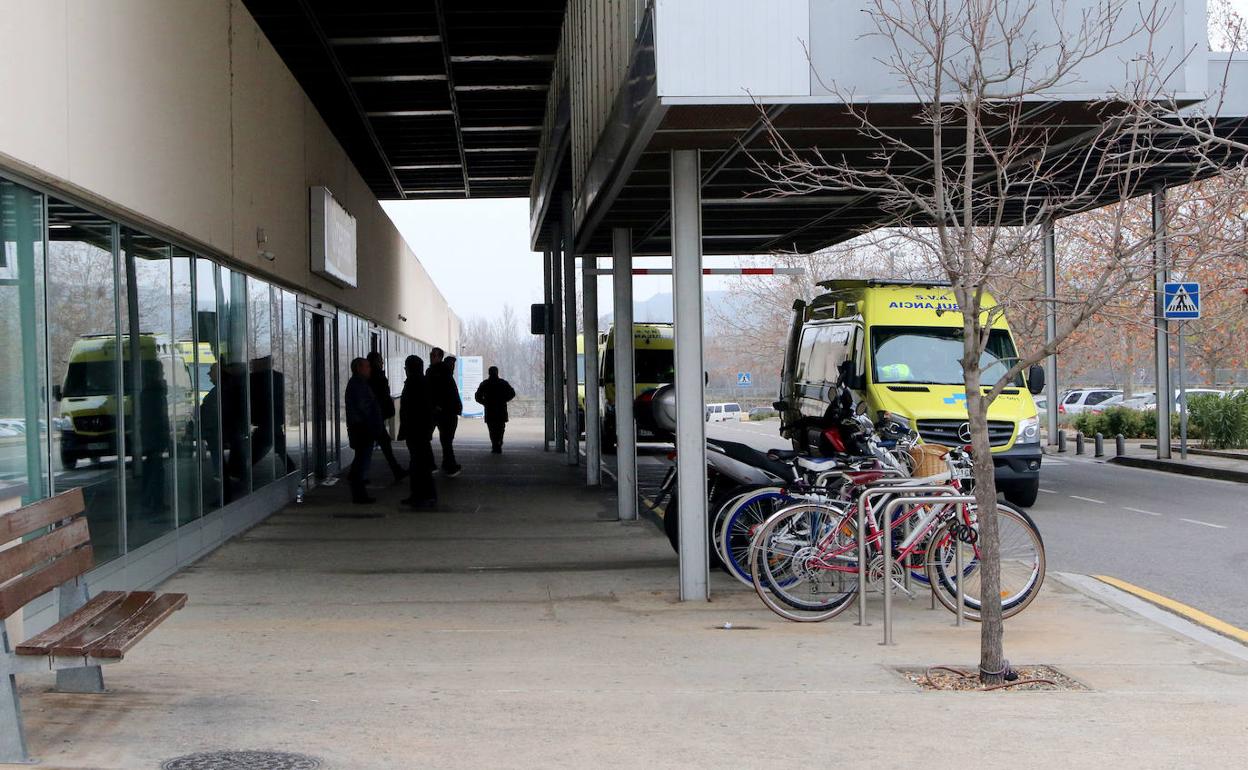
[974,194]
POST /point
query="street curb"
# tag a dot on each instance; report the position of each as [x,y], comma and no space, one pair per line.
[1122,600]
[1203,452]
[1172,466]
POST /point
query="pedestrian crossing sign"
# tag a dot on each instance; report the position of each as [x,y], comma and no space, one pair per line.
[1182,301]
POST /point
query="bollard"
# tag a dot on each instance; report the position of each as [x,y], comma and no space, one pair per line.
[1079,442]
[1061,440]
[1120,444]
[1099,445]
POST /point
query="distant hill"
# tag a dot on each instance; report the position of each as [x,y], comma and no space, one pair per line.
[658,309]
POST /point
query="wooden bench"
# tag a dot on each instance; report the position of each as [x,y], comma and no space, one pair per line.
[90,633]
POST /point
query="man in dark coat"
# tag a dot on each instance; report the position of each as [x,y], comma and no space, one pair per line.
[381,392]
[493,393]
[363,427]
[416,428]
[444,394]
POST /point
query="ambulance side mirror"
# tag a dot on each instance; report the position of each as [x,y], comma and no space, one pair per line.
[1035,379]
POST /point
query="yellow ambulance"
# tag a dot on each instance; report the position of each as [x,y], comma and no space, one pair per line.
[903,343]
[654,364]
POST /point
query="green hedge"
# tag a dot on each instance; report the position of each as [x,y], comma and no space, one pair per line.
[1219,423]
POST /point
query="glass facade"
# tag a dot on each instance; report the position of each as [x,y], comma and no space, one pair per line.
[162,383]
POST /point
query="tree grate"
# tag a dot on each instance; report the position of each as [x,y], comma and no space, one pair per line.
[242,760]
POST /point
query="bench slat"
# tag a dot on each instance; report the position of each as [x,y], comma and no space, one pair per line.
[103,625]
[138,626]
[29,518]
[17,593]
[16,560]
[41,644]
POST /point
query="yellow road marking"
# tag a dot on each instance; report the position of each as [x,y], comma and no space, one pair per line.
[1178,608]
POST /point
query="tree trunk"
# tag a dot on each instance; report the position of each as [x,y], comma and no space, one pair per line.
[992,628]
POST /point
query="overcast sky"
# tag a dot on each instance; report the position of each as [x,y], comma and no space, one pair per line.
[478,251]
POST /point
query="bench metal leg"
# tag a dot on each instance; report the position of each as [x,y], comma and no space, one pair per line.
[71,596]
[12,736]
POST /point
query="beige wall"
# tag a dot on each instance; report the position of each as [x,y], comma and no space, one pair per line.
[179,114]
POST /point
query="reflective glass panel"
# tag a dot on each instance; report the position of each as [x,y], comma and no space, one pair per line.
[85,368]
[184,392]
[23,403]
[260,329]
[235,417]
[208,378]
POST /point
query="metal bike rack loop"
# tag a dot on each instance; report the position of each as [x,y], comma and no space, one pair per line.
[878,489]
[889,509]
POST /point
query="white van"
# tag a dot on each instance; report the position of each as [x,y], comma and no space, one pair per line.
[730,412]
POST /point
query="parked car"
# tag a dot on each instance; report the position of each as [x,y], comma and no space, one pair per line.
[762,413]
[730,412]
[1042,404]
[1076,401]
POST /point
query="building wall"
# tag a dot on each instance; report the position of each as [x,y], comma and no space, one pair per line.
[179,115]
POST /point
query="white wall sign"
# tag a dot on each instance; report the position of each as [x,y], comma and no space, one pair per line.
[332,238]
[471,370]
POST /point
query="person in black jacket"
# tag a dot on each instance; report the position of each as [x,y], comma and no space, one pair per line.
[444,394]
[493,393]
[363,427]
[381,391]
[416,428]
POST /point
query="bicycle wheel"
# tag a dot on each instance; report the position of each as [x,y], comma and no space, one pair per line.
[742,517]
[803,562]
[721,514]
[1022,564]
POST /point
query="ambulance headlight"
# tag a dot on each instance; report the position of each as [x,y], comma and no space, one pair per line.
[1029,431]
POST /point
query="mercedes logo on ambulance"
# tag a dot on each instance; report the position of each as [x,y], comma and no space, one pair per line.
[964,432]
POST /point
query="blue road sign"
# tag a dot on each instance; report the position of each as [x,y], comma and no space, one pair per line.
[744,379]
[1182,301]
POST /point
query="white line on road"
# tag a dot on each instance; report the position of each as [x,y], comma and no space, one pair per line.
[1048,491]
[1088,499]
[1140,510]
[1203,523]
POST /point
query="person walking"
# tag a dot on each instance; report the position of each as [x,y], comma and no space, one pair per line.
[381,392]
[416,428]
[493,393]
[363,427]
[447,407]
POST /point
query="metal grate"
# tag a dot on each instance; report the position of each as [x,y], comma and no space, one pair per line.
[242,760]
[949,432]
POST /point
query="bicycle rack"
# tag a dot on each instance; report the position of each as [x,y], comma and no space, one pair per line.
[912,495]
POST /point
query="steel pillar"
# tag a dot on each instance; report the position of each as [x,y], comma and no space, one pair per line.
[690,385]
[548,361]
[1161,333]
[569,334]
[625,375]
[1050,329]
[589,322]
[556,339]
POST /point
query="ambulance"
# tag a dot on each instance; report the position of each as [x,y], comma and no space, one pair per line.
[654,364]
[903,345]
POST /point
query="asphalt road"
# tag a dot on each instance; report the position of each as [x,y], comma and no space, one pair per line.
[1182,537]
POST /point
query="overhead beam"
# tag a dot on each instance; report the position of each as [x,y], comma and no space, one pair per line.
[310,16]
[440,11]
[386,40]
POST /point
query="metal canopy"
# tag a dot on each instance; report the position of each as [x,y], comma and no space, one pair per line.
[740,217]
[430,98]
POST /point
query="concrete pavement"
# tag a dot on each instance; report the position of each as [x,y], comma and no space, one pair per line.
[519,626]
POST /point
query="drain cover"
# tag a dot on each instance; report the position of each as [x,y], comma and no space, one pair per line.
[242,760]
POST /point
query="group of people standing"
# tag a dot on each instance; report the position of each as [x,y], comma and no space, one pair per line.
[430,399]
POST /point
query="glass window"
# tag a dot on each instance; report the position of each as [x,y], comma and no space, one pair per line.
[933,356]
[208,379]
[84,366]
[235,420]
[149,361]
[184,389]
[260,328]
[289,384]
[23,401]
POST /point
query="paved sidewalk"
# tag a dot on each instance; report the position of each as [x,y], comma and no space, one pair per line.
[520,627]
[1229,466]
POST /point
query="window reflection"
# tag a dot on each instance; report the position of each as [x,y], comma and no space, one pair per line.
[85,366]
[231,381]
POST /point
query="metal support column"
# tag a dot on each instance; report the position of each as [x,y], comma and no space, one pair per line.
[556,339]
[1050,330]
[548,362]
[1161,272]
[589,321]
[690,392]
[625,376]
[569,334]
